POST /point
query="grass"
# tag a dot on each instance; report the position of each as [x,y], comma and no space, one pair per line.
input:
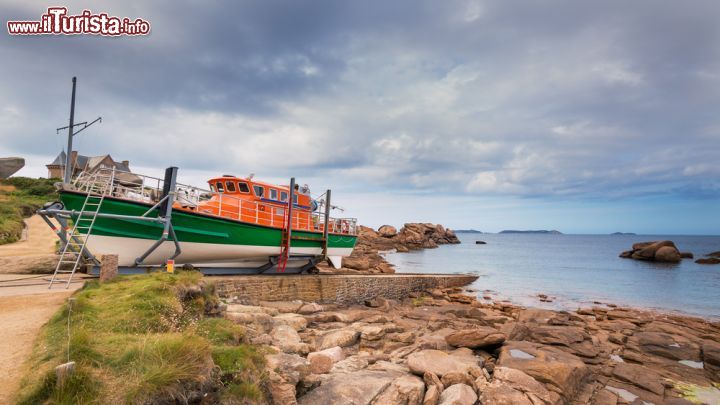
[19,198]
[142,338]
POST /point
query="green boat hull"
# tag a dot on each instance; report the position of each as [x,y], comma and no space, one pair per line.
[203,238]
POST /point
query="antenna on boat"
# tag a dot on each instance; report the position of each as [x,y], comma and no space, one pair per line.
[71,134]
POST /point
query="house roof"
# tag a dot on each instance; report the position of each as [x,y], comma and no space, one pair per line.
[83,162]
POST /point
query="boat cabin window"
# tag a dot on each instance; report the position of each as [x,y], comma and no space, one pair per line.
[219,187]
[243,187]
[230,186]
[212,188]
[283,196]
[273,194]
[295,200]
[259,191]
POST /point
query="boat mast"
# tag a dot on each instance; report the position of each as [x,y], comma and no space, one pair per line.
[68,157]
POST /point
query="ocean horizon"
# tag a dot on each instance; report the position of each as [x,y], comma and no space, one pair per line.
[577,270]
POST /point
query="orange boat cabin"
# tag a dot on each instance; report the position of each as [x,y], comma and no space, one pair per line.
[256,202]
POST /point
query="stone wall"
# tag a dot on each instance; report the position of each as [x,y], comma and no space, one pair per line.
[332,288]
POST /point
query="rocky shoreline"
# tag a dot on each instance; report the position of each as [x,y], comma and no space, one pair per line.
[446,347]
[367,254]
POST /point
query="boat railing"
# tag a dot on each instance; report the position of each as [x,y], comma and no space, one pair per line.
[138,187]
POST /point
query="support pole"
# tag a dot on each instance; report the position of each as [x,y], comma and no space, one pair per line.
[68,157]
[326,228]
[291,203]
[169,191]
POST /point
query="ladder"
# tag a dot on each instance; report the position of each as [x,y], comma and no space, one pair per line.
[72,253]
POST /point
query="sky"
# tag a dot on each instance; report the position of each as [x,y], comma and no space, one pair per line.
[585,117]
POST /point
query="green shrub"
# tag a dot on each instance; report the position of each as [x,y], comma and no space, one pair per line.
[79,388]
[237,359]
[28,195]
[220,331]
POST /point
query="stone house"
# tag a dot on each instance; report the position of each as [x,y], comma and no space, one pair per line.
[81,163]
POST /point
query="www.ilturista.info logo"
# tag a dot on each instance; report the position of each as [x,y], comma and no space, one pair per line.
[57,22]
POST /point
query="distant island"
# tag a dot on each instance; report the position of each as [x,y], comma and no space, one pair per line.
[466,231]
[542,231]
[623,233]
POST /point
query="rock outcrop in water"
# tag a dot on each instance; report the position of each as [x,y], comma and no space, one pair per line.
[656,251]
[412,236]
[712,258]
[445,347]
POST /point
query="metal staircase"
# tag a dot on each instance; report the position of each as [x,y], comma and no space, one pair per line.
[74,249]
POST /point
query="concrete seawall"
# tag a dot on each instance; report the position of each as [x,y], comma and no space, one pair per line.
[333,288]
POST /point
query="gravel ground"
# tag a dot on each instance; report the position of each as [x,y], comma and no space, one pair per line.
[26,305]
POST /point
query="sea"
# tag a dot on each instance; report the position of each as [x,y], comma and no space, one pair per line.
[577,271]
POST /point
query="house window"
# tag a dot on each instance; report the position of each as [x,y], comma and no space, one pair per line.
[259,191]
[283,196]
[273,194]
[243,187]
[219,186]
[230,186]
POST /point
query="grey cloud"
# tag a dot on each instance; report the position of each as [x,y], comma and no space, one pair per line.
[540,99]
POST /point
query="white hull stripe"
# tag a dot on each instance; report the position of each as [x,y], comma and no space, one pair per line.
[128,249]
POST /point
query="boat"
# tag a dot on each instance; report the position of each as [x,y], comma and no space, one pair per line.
[236,225]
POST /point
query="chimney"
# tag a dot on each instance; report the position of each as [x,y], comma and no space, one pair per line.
[73,158]
[126,163]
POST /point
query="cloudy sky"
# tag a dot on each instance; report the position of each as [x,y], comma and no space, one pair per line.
[586,117]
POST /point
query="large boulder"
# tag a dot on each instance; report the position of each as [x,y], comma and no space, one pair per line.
[295,321]
[359,387]
[510,386]
[291,367]
[387,231]
[407,389]
[477,338]
[548,334]
[711,357]
[441,363]
[647,252]
[356,263]
[670,346]
[434,387]
[639,376]
[10,166]
[458,394]
[341,337]
[287,339]
[310,308]
[668,254]
[562,372]
[659,251]
[259,320]
[322,362]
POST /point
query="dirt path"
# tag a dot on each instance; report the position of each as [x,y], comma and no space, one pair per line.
[34,253]
[25,306]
